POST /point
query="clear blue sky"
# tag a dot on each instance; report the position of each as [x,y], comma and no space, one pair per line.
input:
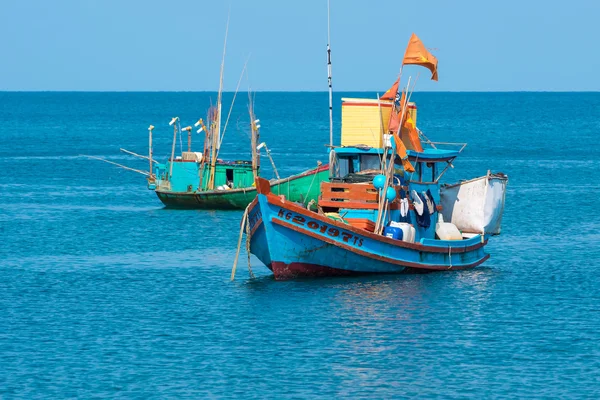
[176,45]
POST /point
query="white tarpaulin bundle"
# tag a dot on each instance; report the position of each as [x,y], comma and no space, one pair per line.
[476,205]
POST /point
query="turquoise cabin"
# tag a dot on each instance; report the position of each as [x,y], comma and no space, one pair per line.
[361,164]
[188,174]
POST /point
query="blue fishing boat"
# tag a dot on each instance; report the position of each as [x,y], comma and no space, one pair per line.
[384,208]
[294,241]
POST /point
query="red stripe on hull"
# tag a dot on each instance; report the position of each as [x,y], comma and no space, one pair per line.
[293,270]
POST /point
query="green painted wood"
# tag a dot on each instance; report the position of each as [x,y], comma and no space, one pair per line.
[298,188]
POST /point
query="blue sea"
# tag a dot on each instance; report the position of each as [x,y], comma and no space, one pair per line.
[104,293]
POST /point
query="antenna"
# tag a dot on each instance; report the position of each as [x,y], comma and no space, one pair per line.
[219,97]
[329,80]
[216,136]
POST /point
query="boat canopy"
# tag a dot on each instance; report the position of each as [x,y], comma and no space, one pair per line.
[428,154]
[431,155]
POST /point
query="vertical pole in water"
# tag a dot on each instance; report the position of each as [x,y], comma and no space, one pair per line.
[329,81]
[150,128]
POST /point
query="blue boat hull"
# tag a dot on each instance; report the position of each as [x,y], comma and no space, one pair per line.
[295,242]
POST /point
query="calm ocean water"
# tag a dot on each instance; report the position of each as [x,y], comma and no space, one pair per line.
[104,293]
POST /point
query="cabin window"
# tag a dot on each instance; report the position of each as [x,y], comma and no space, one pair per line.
[432,166]
[345,167]
[229,174]
[419,171]
[370,161]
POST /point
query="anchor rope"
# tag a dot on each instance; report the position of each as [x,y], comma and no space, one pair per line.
[248,237]
[310,187]
[237,253]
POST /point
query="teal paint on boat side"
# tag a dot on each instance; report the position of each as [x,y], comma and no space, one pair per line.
[298,188]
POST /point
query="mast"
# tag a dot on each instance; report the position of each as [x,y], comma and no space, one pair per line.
[189,131]
[254,125]
[329,80]
[174,124]
[205,153]
[216,139]
[150,128]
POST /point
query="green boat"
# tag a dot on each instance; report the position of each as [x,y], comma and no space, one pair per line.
[201,180]
[234,185]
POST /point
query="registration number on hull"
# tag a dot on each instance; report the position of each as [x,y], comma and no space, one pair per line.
[321,227]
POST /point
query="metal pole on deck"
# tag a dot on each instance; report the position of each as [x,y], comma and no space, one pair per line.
[189,131]
[329,80]
[150,128]
[173,123]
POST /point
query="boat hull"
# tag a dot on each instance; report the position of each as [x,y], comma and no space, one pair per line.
[294,242]
[300,188]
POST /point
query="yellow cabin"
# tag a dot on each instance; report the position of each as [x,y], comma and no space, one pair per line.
[364,121]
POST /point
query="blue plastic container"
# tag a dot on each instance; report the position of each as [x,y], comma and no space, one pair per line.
[392,232]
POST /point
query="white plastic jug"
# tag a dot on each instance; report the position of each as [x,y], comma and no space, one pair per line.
[446,230]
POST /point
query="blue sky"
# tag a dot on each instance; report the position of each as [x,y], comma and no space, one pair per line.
[176,45]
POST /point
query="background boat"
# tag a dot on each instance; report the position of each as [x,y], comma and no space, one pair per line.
[300,188]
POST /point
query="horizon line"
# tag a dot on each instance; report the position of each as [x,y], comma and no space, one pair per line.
[295,91]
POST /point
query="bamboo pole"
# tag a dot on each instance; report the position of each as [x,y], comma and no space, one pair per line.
[260,146]
[383,157]
[239,246]
[117,164]
[202,128]
[174,123]
[137,155]
[248,238]
[253,135]
[390,170]
[213,156]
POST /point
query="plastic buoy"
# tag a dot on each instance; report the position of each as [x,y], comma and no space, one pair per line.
[390,194]
[379,181]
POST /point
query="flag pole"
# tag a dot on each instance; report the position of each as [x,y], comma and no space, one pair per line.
[329,79]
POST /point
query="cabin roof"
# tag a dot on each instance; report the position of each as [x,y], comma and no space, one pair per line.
[358,150]
[426,154]
[433,154]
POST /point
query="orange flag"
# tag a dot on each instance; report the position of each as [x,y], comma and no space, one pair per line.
[409,129]
[417,54]
[396,113]
[401,151]
[391,92]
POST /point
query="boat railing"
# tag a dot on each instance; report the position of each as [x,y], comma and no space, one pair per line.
[349,195]
[436,145]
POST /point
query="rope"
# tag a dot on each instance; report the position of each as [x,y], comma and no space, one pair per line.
[310,187]
[450,256]
[233,102]
[237,254]
[248,237]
